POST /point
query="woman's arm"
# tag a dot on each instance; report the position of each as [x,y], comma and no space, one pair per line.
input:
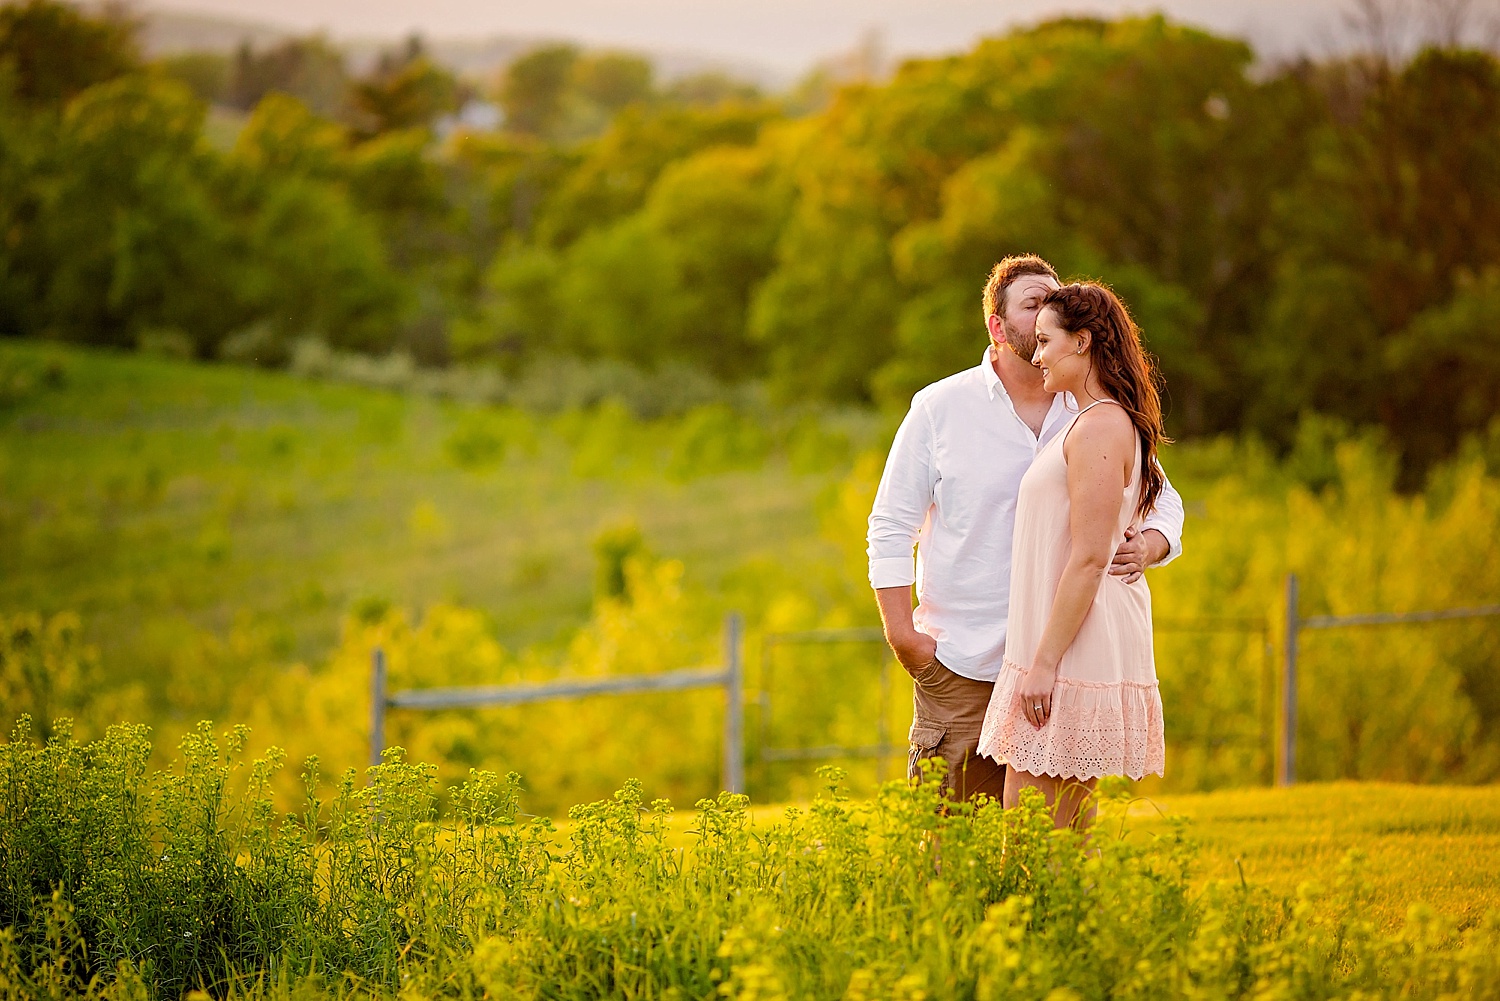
[1100,451]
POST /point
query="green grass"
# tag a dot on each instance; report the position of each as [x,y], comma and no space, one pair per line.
[165,502]
[1438,845]
[1434,845]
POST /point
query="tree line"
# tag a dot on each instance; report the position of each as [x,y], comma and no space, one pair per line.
[1311,237]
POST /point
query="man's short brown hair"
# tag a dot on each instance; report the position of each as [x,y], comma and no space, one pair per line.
[1004,274]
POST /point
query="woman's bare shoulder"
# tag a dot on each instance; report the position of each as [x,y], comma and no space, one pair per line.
[1106,424]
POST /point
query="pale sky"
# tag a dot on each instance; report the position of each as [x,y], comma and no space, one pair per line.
[786,36]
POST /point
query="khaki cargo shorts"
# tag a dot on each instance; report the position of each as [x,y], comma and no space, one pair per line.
[947,714]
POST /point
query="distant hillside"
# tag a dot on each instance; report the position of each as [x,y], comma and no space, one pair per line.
[164,32]
[168,32]
[791,36]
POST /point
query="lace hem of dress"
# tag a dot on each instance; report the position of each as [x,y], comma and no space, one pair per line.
[1094,730]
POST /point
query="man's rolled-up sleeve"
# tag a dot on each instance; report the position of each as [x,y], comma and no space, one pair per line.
[902,502]
[1167,518]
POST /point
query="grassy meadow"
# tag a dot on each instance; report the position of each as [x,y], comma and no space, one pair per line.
[1432,845]
[233,542]
[199,541]
[171,505]
[186,541]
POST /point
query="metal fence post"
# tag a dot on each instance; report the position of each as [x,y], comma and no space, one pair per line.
[1266,726]
[1289,687]
[734,705]
[377,705]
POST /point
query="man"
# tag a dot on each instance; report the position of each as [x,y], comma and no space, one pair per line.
[949,488]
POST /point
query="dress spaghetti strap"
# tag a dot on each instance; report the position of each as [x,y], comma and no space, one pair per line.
[1085,410]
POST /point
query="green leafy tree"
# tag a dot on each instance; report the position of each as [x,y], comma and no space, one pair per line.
[284,136]
[721,213]
[1384,242]
[599,85]
[518,316]
[309,69]
[534,88]
[612,80]
[51,51]
[317,267]
[207,74]
[615,293]
[406,192]
[1112,148]
[509,177]
[402,187]
[136,237]
[1150,171]
[824,314]
[672,282]
[1000,200]
[317,263]
[617,170]
[24,151]
[870,165]
[409,93]
[1443,369]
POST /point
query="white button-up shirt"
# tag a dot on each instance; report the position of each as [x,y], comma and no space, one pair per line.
[949,488]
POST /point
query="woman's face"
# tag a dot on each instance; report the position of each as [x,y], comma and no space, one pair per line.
[1057,354]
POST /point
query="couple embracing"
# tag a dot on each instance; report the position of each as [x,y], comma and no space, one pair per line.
[1031,489]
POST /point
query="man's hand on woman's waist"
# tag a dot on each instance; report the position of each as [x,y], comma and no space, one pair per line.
[1139,551]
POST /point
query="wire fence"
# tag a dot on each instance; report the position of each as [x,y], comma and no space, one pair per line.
[1272,738]
[1296,624]
[882,749]
[728,676]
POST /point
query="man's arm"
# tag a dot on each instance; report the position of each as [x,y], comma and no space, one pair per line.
[915,650]
[1157,542]
[896,519]
[1166,520]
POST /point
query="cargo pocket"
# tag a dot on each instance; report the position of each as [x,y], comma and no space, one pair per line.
[924,738]
[928,673]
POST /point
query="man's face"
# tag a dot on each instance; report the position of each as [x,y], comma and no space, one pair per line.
[1022,301]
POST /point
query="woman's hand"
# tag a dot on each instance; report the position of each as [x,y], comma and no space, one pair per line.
[1035,693]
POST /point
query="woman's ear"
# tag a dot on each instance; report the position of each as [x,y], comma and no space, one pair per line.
[1085,338]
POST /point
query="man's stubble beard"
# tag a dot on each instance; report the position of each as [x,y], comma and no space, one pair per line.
[1022,343]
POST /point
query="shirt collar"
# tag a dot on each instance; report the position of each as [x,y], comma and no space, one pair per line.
[997,388]
[991,377]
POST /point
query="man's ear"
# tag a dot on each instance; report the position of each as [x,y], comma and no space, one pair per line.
[996,327]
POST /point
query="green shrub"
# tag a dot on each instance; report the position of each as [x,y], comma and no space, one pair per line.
[26,376]
[116,879]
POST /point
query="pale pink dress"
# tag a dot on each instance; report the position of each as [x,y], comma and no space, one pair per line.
[1106,707]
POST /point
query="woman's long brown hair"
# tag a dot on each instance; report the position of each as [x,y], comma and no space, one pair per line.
[1128,374]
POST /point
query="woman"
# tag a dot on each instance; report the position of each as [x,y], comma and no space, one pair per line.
[1077,696]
